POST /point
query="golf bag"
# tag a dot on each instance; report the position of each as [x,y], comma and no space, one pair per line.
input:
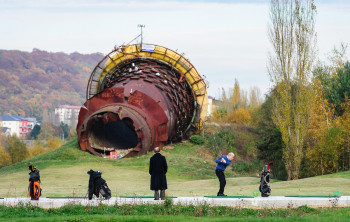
[98,186]
[34,190]
[264,187]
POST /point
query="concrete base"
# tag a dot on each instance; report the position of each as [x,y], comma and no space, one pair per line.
[256,203]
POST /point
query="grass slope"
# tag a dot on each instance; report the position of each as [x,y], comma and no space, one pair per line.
[191,173]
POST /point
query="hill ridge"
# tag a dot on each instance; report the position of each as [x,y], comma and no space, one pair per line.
[32,81]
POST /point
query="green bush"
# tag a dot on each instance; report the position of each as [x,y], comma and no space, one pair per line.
[222,142]
[197,139]
[244,167]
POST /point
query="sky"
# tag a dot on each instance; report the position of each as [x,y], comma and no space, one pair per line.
[224,39]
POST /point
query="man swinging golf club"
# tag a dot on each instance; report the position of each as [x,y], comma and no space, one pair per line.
[222,163]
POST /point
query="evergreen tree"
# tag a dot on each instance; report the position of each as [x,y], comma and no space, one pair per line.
[339,89]
[35,132]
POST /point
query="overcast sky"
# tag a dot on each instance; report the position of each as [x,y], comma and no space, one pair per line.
[224,40]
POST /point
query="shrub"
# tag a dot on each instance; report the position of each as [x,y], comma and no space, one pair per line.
[244,167]
[197,139]
[222,142]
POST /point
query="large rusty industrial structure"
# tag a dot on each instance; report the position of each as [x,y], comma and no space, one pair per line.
[138,97]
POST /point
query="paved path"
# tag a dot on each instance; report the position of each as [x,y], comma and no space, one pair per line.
[257,202]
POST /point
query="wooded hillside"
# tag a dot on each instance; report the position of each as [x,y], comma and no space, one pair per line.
[30,81]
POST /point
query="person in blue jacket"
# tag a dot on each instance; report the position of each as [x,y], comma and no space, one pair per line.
[222,163]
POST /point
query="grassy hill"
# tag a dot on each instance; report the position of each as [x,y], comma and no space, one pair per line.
[191,173]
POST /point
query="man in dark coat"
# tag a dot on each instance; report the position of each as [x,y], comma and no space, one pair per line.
[157,169]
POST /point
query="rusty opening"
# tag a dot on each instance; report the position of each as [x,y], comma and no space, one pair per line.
[108,133]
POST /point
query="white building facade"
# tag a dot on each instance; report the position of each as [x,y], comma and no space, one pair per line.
[13,126]
[18,125]
[67,114]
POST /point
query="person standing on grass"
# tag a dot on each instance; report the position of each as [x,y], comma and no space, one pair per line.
[157,169]
[222,163]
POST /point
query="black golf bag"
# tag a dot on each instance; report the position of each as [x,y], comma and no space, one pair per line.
[264,187]
[98,186]
[34,190]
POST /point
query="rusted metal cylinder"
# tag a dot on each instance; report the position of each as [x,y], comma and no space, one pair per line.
[137,100]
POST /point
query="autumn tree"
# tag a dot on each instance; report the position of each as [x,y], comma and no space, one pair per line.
[40,148]
[319,150]
[327,144]
[337,57]
[224,106]
[234,105]
[37,149]
[5,158]
[240,115]
[254,97]
[47,130]
[236,95]
[292,35]
[16,149]
[244,102]
[53,143]
[221,108]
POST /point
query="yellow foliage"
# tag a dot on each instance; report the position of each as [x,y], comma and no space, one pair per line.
[240,115]
[236,96]
[321,116]
[328,144]
[53,143]
[37,149]
[40,148]
[5,158]
[218,115]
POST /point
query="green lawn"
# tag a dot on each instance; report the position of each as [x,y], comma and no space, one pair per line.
[169,213]
[191,173]
[326,217]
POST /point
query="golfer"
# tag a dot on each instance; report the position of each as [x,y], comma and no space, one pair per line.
[222,163]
